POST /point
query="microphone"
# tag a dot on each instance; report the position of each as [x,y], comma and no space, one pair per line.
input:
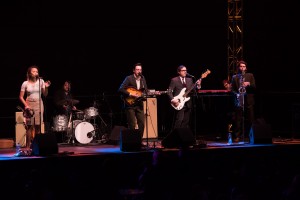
[190,75]
[39,77]
[140,74]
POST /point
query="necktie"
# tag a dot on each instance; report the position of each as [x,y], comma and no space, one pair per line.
[183,82]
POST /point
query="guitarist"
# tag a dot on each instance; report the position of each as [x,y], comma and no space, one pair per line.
[182,116]
[134,111]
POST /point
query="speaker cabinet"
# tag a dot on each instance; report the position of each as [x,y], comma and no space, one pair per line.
[20,131]
[260,132]
[115,134]
[19,118]
[150,106]
[130,140]
[44,145]
[179,138]
[20,135]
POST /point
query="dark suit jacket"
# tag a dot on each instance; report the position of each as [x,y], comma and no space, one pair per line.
[130,81]
[176,86]
[250,90]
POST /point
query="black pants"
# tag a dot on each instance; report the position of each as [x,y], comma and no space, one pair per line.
[243,120]
[135,114]
[182,118]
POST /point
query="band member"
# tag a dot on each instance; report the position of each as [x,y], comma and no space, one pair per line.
[64,101]
[227,84]
[182,105]
[33,89]
[131,89]
[243,87]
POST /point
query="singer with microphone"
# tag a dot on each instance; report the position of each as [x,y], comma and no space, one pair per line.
[33,88]
[132,90]
[182,86]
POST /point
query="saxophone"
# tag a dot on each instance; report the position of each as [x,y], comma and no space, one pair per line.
[241,90]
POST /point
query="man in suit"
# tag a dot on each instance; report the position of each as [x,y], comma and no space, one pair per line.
[132,89]
[243,87]
[182,106]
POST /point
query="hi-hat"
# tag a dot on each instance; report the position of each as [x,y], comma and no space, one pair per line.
[68,102]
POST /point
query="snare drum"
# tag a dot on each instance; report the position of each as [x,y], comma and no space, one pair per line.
[76,122]
[80,115]
[91,112]
[60,123]
[84,132]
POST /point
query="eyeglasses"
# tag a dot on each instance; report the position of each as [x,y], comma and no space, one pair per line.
[183,70]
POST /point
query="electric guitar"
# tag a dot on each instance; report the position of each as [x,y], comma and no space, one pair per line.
[131,100]
[182,96]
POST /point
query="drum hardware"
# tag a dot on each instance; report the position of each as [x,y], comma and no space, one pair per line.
[82,126]
[91,112]
[81,130]
[71,129]
[60,123]
[97,135]
[84,132]
[68,102]
[80,115]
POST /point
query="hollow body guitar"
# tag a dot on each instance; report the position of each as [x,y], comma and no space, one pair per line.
[131,100]
[183,95]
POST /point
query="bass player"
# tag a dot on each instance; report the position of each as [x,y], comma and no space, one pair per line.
[180,87]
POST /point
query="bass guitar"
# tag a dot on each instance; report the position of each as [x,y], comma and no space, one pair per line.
[182,96]
[139,95]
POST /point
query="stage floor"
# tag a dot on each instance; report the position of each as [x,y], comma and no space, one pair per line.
[103,170]
[103,148]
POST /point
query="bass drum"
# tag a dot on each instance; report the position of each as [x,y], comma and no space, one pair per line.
[84,132]
[60,123]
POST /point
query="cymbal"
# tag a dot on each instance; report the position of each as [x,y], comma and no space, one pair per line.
[68,102]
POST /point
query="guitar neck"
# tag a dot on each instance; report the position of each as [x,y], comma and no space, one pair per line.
[189,90]
[202,76]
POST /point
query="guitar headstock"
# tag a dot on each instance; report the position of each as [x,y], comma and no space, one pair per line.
[204,75]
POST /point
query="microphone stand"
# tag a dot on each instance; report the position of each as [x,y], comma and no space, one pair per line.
[202,142]
[242,91]
[146,118]
[70,110]
[40,105]
[195,109]
[146,113]
[243,108]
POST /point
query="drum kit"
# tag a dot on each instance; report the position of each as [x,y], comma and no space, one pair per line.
[78,126]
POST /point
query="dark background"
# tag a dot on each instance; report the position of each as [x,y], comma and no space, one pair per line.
[96,45]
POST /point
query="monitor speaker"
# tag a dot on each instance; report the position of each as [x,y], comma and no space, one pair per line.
[115,134]
[179,138]
[260,132]
[44,144]
[130,140]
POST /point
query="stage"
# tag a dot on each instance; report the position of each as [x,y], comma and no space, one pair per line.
[104,171]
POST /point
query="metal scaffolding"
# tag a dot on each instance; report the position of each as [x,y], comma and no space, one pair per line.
[235,35]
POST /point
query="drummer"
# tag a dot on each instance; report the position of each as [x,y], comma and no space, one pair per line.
[63,100]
